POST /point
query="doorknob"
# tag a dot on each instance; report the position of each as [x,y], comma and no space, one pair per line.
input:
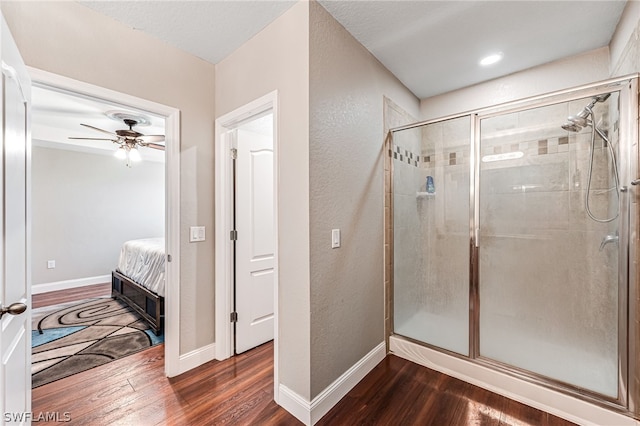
[13,309]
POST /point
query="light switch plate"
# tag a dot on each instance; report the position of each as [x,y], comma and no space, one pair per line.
[51,264]
[335,238]
[196,234]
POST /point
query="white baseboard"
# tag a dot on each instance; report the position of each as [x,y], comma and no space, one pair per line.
[67,284]
[333,393]
[310,412]
[298,406]
[556,403]
[196,358]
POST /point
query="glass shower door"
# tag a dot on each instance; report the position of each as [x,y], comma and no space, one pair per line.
[431,237]
[548,243]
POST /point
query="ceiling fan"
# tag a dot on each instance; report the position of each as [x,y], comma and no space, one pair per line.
[128,140]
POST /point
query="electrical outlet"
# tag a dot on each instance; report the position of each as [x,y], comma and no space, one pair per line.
[51,264]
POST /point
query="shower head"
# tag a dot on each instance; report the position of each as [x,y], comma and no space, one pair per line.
[581,120]
[571,127]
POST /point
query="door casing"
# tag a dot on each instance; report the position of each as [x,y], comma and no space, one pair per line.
[224,222]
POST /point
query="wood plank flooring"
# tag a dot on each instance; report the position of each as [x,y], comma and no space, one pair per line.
[239,391]
[69,295]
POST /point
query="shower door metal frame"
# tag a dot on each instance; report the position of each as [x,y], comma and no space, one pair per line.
[628,399]
[617,85]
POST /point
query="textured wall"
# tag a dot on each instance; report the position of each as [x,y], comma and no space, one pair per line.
[624,48]
[347,86]
[69,39]
[78,218]
[278,59]
[573,71]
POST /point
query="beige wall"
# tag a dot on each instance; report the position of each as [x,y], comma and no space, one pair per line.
[69,39]
[347,86]
[84,206]
[569,72]
[278,59]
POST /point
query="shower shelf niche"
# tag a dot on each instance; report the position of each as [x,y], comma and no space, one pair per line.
[425,194]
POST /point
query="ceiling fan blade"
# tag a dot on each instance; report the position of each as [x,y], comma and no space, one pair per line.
[155,146]
[151,138]
[100,130]
[95,139]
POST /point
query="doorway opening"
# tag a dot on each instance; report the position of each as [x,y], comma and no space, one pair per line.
[166,120]
[246,229]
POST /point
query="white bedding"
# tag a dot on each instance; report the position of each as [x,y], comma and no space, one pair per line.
[143,262]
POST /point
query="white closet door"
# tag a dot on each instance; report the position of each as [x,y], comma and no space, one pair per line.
[256,240]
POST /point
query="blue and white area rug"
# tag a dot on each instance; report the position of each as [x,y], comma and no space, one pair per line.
[73,337]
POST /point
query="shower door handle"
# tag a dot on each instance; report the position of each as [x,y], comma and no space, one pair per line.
[635,182]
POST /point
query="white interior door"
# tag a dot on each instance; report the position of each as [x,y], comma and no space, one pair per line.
[15,338]
[255,241]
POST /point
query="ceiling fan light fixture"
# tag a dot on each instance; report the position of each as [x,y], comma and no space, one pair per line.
[120,153]
[134,155]
[128,140]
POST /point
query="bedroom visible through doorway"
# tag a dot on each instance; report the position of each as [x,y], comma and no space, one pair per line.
[92,199]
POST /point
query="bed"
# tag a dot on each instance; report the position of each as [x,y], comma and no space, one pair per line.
[139,279]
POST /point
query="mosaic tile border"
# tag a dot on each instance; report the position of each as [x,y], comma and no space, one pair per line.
[448,158]
[458,157]
[398,153]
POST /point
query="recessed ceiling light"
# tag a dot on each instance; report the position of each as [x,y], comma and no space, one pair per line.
[491,59]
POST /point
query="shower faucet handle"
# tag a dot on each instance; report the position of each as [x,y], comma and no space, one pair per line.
[608,239]
[635,182]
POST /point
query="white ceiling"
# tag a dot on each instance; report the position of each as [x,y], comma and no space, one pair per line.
[434,46]
[209,29]
[431,46]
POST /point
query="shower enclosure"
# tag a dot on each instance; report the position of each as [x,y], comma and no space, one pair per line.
[513,227]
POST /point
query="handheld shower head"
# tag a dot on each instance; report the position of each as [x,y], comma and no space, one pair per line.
[571,127]
[581,120]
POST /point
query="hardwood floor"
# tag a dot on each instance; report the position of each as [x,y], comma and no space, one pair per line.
[399,392]
[239,391]
[134,391]
[69,295]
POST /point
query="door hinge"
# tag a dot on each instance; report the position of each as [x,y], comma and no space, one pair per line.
[234,317]
[234,153]
[168,258]
[233,235]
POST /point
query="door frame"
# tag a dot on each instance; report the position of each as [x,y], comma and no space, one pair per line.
[172,194]
[224,220]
